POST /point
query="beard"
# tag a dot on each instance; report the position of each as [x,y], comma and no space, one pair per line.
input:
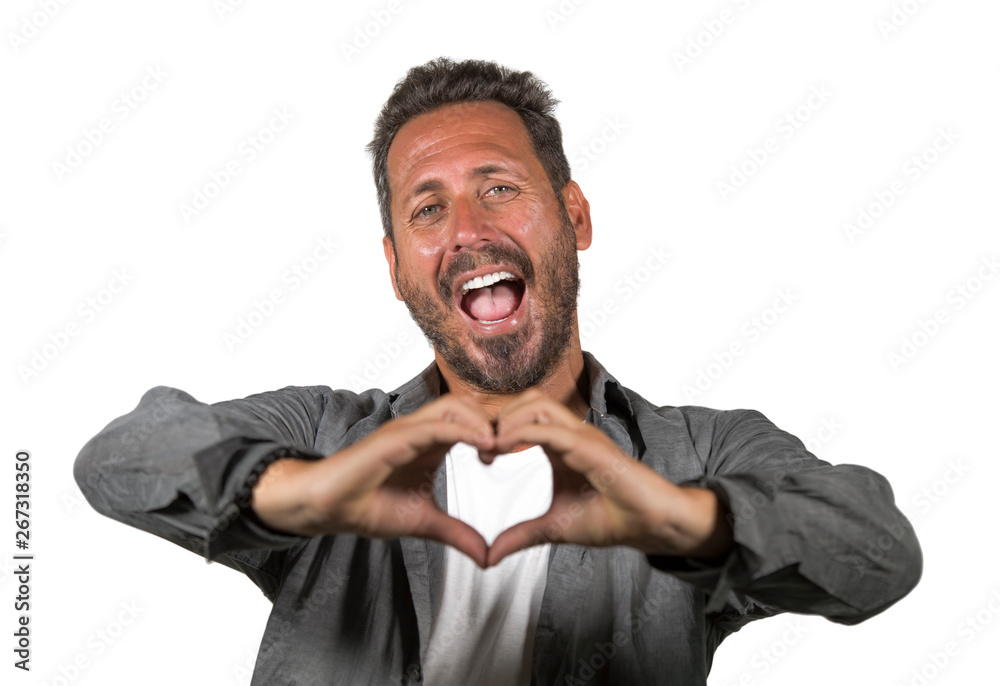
[506,363]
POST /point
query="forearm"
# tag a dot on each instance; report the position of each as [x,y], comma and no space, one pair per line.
[807,536]
[282,497]
[822,523]
[694,525]
[802,541]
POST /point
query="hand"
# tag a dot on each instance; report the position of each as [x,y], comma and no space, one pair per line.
[383,485]
[600,496]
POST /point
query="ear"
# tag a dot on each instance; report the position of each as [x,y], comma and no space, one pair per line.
[579,214]
[390,257]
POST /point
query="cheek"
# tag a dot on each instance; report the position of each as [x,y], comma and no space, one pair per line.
[426,253]
[418,262]
[531,233]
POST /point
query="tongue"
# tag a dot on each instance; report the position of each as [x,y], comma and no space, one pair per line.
[493,302]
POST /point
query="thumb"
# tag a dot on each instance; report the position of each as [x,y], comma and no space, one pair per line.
[438,526]
[524,535]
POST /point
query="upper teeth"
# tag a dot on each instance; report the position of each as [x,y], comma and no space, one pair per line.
[486,280]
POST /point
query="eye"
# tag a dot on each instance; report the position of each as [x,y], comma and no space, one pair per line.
[427,211]
[502,192]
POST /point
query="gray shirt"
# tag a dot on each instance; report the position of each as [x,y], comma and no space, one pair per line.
[809,537]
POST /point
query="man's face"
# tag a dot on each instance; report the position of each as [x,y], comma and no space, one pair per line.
[472,204]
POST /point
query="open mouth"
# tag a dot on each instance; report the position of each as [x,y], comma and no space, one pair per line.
[492,298]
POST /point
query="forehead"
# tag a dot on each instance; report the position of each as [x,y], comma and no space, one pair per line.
[435,142]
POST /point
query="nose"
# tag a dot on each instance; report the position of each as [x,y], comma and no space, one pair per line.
[471,226]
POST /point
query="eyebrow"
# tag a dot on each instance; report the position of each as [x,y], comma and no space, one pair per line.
[435,185]
[431,185]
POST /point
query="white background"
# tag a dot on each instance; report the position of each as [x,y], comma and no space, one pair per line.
[825,361]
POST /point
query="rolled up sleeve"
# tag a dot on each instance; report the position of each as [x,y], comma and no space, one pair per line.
[809,537]
[182,469]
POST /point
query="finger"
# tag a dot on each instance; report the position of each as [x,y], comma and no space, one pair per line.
[536,408]
[443,528]
[524,535]
[488,456]
[465,412]
[444,432]
[551,436]
[528,397]
[586,452]
[412,440]
[393,456]
[457,409]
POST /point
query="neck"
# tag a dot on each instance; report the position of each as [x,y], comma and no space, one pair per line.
[567,383]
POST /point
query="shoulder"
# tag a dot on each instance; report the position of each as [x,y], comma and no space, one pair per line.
[671,427]
[724,441]
[313,402]
[695,419]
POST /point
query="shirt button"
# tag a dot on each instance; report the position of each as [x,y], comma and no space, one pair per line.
[413,671]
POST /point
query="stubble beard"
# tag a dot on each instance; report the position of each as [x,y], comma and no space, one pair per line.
[506,363]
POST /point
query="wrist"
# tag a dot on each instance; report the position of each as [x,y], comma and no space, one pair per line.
[280,498]
[693,525]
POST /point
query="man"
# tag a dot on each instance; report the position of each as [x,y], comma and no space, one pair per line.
[513,514]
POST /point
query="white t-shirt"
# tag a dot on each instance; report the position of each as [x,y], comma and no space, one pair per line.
[485,625]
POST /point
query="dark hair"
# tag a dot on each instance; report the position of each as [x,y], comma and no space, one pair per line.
[443,81]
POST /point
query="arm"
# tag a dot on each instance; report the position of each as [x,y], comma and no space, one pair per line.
[181,469]
[381,486]
[237,480]
[808,537]
[768,528]
[601,496]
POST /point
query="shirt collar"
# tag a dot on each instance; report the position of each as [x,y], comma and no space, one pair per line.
[607,396]
[418,391]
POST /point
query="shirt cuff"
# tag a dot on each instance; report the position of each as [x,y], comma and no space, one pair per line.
[718,578]
[230,470]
